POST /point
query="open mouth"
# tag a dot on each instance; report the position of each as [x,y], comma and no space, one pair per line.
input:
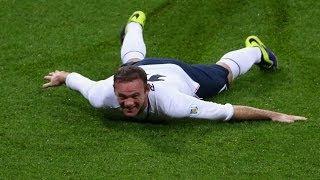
[129,110]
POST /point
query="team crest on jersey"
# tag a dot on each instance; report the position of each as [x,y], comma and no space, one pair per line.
[194,110]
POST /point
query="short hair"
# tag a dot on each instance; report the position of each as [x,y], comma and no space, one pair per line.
[130,73]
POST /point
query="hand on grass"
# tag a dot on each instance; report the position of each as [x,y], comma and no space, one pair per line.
[251,113]
[280,117]
[56,78]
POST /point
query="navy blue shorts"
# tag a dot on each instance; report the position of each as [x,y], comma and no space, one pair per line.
[211,78]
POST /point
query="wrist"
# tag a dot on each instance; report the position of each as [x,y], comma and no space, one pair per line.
[63,76]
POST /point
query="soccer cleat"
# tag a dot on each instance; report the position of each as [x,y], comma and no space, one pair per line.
[268,58]
[138,17]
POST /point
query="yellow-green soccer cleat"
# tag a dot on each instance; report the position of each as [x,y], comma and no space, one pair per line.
[268,58]
[138,17]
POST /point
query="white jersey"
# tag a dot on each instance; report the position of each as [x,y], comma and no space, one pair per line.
[172,94]
[171,75]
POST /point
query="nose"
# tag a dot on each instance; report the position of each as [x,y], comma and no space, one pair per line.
[129,103]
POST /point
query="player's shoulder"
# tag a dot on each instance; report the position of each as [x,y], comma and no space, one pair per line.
[157,88]
[161,92]
[160,97]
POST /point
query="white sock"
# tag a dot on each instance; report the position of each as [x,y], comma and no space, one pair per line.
[133,46]
[240,61]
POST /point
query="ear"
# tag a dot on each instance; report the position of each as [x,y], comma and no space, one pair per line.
[114,87]
[147,88]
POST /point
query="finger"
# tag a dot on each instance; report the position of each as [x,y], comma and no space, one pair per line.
[299,118]
[46,85]
[48,78]
[290,121]
[286,120]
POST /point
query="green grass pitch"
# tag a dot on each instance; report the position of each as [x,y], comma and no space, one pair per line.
[55,133]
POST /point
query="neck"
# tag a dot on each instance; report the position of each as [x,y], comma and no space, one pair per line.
[145,105]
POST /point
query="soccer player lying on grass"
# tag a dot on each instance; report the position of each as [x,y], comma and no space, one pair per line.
[146,86]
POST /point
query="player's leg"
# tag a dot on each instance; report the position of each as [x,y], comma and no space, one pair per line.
[133,47]
[240,61]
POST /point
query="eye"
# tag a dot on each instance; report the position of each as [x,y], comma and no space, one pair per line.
[121,98]
[135,96]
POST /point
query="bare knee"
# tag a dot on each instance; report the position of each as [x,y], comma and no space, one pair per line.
[230,75]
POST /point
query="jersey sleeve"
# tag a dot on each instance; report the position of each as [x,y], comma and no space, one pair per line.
[178,105]
[99,93]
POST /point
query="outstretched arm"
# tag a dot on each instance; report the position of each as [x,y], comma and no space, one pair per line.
[250,113]
[179,105]
[99,93]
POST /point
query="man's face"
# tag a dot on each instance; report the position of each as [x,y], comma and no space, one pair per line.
[132,96]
